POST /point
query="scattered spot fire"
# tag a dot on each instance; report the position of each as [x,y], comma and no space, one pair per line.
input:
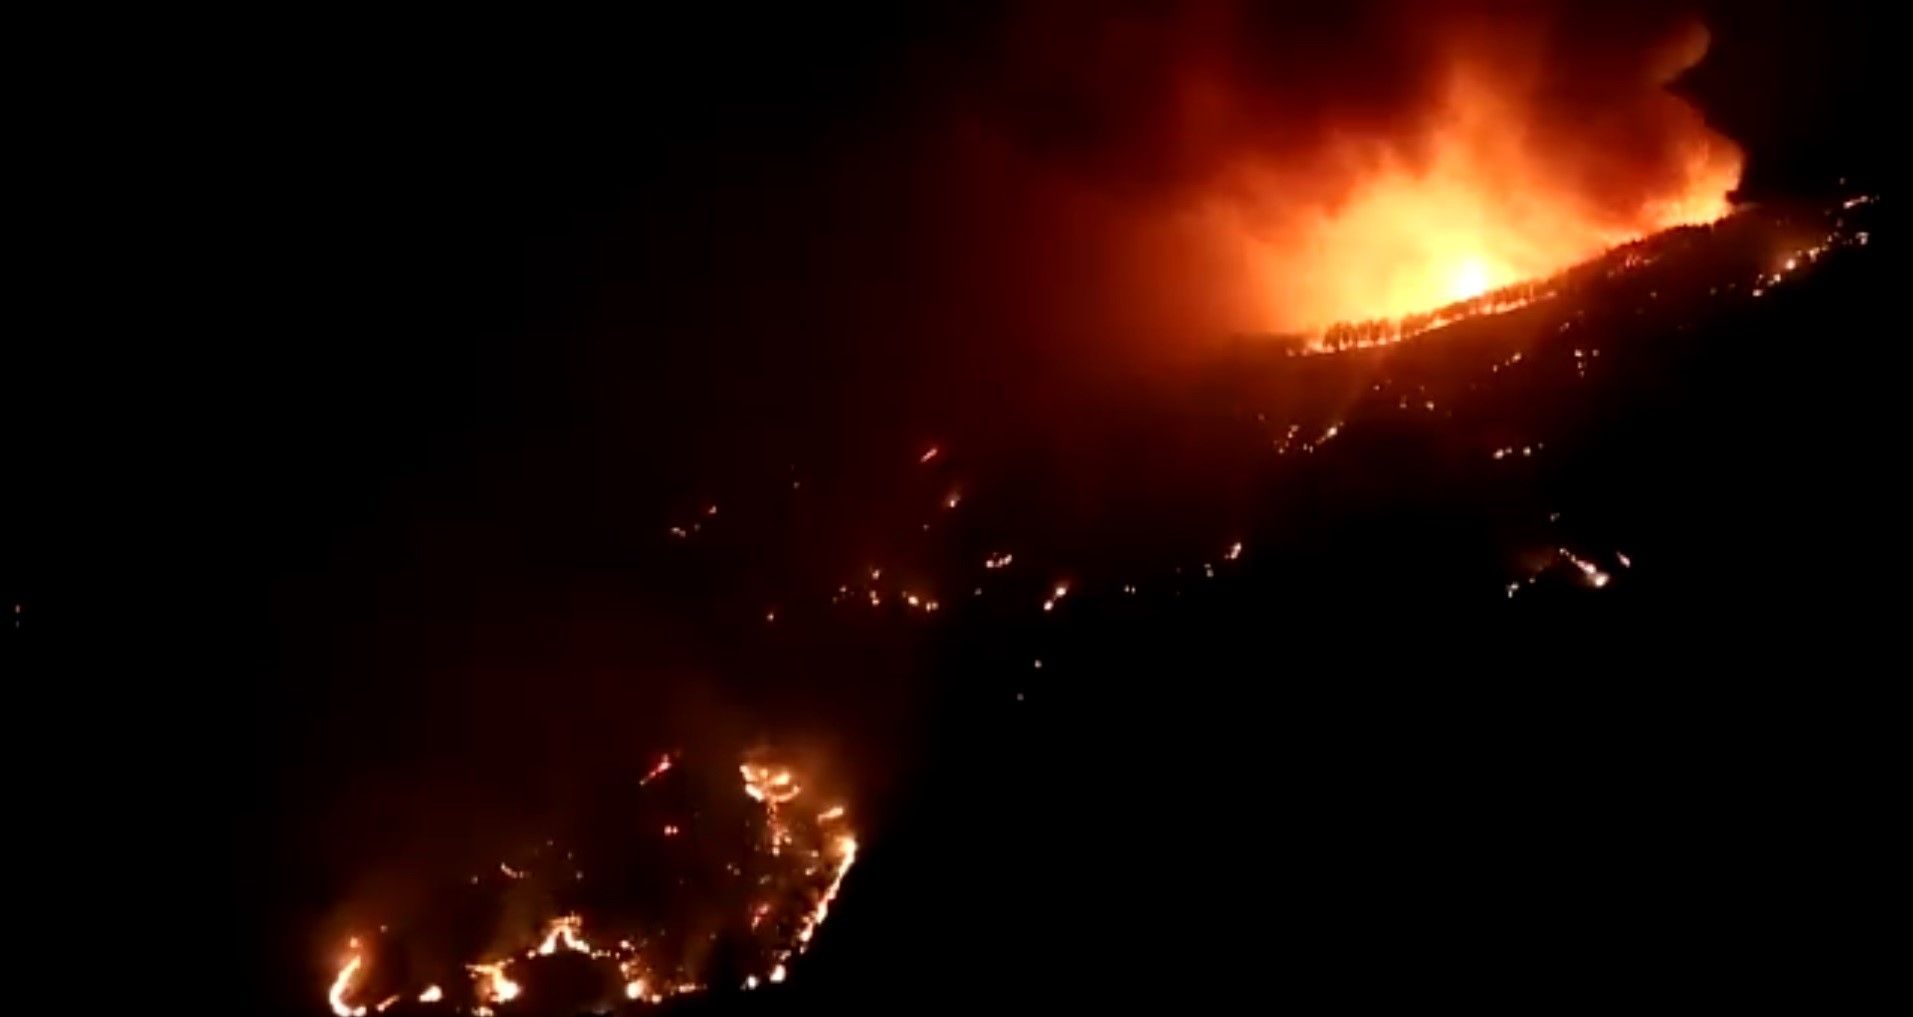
[1496,347]
[787,875]
[783,876]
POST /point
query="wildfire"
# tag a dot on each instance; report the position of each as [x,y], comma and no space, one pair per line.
[1450,223]
[794,868]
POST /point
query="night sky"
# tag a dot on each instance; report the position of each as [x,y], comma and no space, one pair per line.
[370,361]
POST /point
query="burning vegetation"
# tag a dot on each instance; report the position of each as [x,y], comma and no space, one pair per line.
[1489,196]
[1207,169]
[771,874]
[1459,187]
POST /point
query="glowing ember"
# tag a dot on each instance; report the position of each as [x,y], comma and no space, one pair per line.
[1594,576]
[794,867]
[663,765]
[773,787]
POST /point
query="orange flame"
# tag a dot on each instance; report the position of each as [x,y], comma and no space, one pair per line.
[818,854]
[342,984]
[1484,200]
[493,985]
[564,930]
[773,787]
[846,857]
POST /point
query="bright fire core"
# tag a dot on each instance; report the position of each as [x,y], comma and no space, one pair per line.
[1484,197]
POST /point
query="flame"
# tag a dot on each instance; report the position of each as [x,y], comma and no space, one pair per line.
[343,983]
[772,787]
[846,857]
[566,930]
[816,851]
[1484,199]
[493,985]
